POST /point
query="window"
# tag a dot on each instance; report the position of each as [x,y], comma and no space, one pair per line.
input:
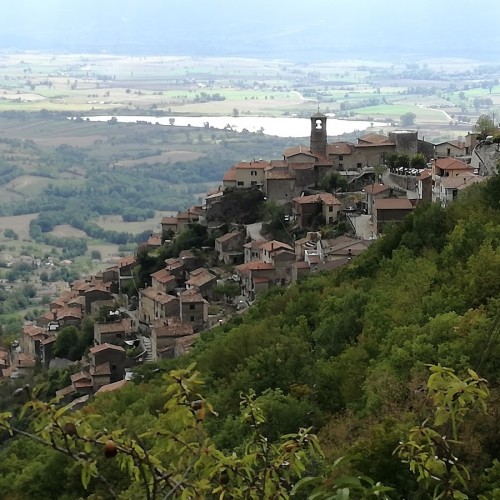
[330,209]
[253,172]
[341,165]
[241,183]
[359,165]
[448,151]
[118,335]
[192,318]
[191,307]
[341,157]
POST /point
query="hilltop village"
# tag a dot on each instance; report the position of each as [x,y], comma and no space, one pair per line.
[328,201]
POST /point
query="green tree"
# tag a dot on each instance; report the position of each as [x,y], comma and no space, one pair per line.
[174,458]
[484,126]
[408,119]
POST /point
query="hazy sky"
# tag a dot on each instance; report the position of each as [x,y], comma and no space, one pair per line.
[293,28]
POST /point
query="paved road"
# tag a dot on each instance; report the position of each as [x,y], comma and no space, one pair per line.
[363,226]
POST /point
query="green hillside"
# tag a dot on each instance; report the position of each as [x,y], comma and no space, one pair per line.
[346,353]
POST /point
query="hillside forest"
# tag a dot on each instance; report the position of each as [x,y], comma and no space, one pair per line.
[355,357]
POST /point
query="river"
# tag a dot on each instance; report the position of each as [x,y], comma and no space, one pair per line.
[281,126]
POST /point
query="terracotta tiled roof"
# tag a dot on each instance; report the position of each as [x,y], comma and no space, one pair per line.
[103,347]
[461,181]
[157,295]
[296,150]
[200,278]
[191,295]
[173,264]
[163,276]
[176,330]
[451,164]
[339,148]
[154,240]
[252,165]
[325,198]
[425,174]
[277,164]
[33,330]
[457,144]
[228,236]
[376,188]
[69,312]
[112,387]
[255,244]
[393,204]
[125,325]
[275,245]
[126,261]
[77,377]
[169,221]
[374,138]
[48,340]
[279,175]
[230,175]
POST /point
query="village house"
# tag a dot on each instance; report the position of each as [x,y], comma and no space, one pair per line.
[193,309]
[113,332]
[343,248]
[154,241]
[252,250]
[255,277]
[424,186]
[311,242]
[176,267]
[447,168]
[163,281]
[107,364]
[390,210]
[202,280]
[181,221]
[450,149]
[189,260]
[307,208]
[374,192]
[155,304]
[448,188]
[171,338]
[31,338]
[229,247]
[96,293]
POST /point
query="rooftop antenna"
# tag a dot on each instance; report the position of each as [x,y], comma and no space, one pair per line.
[318,105]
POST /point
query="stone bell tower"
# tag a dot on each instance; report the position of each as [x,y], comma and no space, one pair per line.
[318,134]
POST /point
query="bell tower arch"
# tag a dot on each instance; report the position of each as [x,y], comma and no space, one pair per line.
[318,134]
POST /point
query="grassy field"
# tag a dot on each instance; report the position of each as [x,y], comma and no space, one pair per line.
[116,223]
[18,223]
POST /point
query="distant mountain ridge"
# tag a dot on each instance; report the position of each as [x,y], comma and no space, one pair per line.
[317,30]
